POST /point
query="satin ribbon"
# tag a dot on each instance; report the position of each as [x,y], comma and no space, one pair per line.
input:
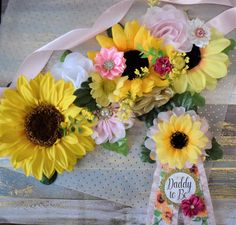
[230,3]
[157,187]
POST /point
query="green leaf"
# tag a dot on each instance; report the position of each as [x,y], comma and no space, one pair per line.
[120,146]
[63,56]
[48,181]
[215,152]
[187,100]
[230,47]
[162,174]
[197,219]
[157,213]
[145,155]
[84,97]
[149,117]
[198,100]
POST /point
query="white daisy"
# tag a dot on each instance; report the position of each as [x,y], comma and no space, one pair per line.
[199,33]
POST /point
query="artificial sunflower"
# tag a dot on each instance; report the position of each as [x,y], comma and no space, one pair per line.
[180,139]
[41,130]
[204,66]
[141,78]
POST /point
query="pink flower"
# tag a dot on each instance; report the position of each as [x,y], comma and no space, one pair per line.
[192,206]
[170,24]
[110,63]
[163,66]
[109,127]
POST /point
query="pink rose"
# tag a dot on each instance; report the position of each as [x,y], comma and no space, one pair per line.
[170,24]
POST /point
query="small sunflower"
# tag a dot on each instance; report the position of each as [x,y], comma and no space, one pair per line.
[204,66]
[179,137]
[41,130]
[129,40]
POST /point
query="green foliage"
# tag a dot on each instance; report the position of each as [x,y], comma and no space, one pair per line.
[187,100]
[48,181]
[145,155]
[63,56]
[153,52]
[215,152]
[84,98]
[120,146]
[203,220]
[231,46]
[157,213]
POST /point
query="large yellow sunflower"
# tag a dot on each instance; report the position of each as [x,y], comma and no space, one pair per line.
[206,65]
[129,40]
[179,140]
[40,128]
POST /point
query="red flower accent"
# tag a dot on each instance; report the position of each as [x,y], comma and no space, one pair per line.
[192,206]
[163,66]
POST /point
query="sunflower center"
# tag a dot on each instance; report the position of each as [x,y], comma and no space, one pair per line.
[179,140]
[194,57]
[42,125]
[134,61]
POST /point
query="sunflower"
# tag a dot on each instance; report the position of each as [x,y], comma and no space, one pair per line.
[130,40]
[205,66]
[41,130]
[180,139]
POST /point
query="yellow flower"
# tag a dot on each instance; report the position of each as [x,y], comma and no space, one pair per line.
[129,39]
[104,90]
[32,119]
[206,65]
[179,140]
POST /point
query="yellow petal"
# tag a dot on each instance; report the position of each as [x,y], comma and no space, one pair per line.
[37,165]
[216,46]
[92,54]
[210,82]
[147,85]
[131,28]
[25,90]
[215,69]
[119,37]
[70,139]
[196,79]
[140,37]
[180,83]
[105,42]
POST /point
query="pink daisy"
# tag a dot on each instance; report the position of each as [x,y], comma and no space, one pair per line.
[110,63]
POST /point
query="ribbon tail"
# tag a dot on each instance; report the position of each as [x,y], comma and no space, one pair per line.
[35,62]
[207,215]
[192,2]
[206,193]
[224,22]
[158,213]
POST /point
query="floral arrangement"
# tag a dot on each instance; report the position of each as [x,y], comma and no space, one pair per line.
[144,69]
[152,69]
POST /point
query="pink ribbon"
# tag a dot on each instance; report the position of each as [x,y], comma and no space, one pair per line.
[225,22]
[230,3]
